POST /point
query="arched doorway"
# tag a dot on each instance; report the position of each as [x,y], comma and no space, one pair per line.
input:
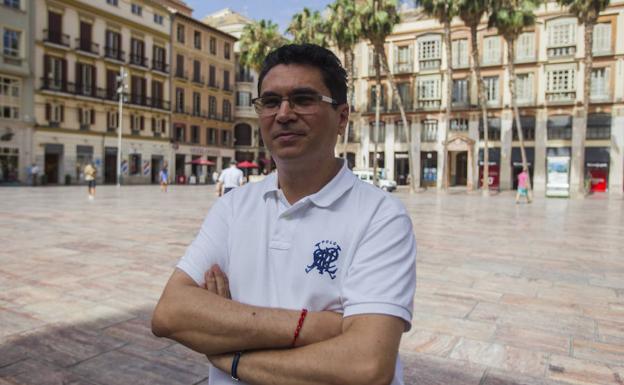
[460,157]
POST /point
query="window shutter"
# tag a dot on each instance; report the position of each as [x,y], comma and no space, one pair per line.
[108,120]
[163,126]
[142,123]
[46,69]
[132,122]
[62,113]
[92,116]
[80,115]
[395,52]
[93,80]
[153,124]
[47,111]
[64,78]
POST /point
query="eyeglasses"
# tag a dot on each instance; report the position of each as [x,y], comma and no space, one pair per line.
[304,103]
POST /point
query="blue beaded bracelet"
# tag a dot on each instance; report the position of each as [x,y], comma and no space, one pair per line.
[235,366]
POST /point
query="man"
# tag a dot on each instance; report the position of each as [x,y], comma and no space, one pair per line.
[230,178]
[308,276]
[90,173]
[34,173]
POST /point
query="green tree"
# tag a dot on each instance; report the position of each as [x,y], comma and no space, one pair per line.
[472,12]
[257,40]
[511,17]
[308,27]
[587,12]
[444,11]
[344,30]
[378,19]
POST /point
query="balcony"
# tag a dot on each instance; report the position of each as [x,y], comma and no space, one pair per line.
[198,79]
[430,64]
[433,104]
[115,54]
[213,84]
[429,135]
[181,74]
[55,37]
[140,100]
[382,108]
[87,46]
[403,68]
[227,87]
[561,52]
[562,97]
[138,60]
[160,66]
[84,126]
[408,106]
[244,78]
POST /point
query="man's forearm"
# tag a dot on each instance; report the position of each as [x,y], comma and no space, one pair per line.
[210,324]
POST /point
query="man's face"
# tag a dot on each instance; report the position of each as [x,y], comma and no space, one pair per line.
[289,135]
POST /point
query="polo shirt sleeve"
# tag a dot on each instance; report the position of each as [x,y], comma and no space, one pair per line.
[210,246]
[222,176]
[381,278]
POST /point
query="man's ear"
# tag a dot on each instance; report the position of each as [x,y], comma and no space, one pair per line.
[344,118]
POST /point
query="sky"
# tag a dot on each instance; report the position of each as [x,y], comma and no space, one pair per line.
[278,11]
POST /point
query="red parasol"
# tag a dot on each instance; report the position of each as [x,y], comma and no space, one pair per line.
[201,162]
[247,164]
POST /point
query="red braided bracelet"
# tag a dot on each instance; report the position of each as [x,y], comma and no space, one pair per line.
[304,312]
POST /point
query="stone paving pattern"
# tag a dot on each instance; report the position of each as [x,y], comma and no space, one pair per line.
[507,294]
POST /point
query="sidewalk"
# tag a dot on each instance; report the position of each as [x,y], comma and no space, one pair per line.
[507,294]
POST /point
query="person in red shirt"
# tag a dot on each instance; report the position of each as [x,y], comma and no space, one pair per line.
[523,190]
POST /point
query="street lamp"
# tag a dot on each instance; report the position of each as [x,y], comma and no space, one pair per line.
[121,88]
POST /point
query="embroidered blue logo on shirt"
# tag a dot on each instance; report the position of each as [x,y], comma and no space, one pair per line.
[325,256]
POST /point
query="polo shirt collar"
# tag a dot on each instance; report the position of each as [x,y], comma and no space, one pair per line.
[340,183]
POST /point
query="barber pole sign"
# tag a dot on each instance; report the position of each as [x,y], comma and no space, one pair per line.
[147,169]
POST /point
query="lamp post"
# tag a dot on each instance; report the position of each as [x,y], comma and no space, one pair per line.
[121,87]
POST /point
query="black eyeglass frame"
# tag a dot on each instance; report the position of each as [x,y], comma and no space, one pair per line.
[319,98]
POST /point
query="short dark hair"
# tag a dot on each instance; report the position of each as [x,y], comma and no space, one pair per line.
[332,71]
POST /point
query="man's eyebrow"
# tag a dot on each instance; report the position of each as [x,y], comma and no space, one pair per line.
[299,90]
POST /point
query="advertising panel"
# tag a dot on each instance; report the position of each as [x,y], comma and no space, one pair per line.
[558,176]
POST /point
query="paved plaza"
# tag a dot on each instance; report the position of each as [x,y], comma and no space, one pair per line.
[507,294]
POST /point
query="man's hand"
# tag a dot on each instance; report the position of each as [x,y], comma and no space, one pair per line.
[217,282]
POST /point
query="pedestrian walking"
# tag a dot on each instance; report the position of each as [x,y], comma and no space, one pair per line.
[307,276]
[90,173]
[229,179]
[164,178]
[34,174]
[523,190]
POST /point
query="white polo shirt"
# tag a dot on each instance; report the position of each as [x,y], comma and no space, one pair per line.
[348,248]
[231,177]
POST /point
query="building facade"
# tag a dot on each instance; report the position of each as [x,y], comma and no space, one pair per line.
[16,91]
[549,86]
[80,48]
[203,91]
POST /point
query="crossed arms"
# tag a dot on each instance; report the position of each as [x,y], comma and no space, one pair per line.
[359,349]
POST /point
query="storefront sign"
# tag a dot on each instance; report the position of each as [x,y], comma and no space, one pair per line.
[493,175]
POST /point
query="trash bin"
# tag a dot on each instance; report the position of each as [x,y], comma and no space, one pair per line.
[181,179]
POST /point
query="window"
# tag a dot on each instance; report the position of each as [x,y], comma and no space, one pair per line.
[559,127]
[159,126]
[400,134]
[195,134]
[373,98]
[227,110]
[460,92]
[212,107]
[226,50]
[381,134]
[180,133]
[494,129]
[135,164]
[525,47]
[212,76]
[55,77]
[212,136]
[560,83]
[113,2]
[11,43]
[196,103]
[113,45]
[180,33]
[460,53]
[85,79]
[528,128]
[197,72]
[429,92]
[599,126]
[157,94]
[86,117]
[243,99]
[159,58]
[112,121]
[137,9]
[429,130]
[459,125]
[404,92]
[137,123]
[179,100]
[158,19]
[602,39]
[9,88]
[600,83]
[225,138]
[213,45]
[491,89]
[562,37]
[12,3]
[137,52]
[491,50]
[403,62]
[197,39]
[429,52]
[54,113]
[524,88]
[226,81]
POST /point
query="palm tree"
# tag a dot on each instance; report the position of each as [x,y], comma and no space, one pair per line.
[444,11]
[308,27]
[378,18]
[344,30]
[510,17]
[471,12]
[257,40]
[587,12]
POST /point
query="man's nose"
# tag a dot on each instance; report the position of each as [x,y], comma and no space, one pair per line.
[285,112]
